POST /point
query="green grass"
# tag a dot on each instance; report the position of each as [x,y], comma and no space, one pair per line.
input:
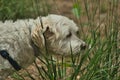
[101,61]
[14,9]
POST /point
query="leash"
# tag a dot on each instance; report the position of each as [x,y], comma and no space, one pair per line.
[6,56]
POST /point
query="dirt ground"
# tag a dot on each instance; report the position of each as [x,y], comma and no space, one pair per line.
[63,7]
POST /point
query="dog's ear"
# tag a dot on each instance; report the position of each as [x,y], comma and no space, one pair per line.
[50,28]
[37,37]
[48,33]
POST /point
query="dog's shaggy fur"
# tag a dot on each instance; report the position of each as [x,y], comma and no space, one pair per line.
[20,38]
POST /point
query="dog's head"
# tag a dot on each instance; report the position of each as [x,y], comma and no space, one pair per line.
[60,34]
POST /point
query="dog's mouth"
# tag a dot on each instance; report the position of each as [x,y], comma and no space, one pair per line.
[79,48]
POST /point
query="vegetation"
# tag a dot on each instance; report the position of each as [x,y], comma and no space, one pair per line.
[14,9]
[101,61]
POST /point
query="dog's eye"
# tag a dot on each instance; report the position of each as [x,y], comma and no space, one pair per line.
[77,32]
[69,35]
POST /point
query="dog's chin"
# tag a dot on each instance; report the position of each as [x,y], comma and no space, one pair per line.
[66,53]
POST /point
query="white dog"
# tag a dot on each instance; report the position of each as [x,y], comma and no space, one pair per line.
[21,40]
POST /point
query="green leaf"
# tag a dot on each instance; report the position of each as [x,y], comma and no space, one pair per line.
[76,10]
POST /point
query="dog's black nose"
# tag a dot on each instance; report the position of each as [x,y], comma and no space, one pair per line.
[83,46]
